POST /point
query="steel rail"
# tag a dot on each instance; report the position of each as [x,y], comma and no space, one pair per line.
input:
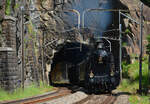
[109,100]
[89,97]
[29,99]
[40,98]
[60,93]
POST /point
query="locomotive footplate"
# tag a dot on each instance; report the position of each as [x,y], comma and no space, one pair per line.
[101,83]
[100,79]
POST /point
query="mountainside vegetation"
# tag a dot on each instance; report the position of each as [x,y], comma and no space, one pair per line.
[148,45]
[130,82]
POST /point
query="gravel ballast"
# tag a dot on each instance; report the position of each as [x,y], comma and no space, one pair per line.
[69,99]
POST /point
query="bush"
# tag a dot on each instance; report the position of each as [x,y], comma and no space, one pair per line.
[148,46]
[130,82]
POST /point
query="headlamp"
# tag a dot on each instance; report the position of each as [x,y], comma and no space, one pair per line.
[91,74]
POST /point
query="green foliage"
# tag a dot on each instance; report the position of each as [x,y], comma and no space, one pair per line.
[125,68]
[127,31]
[16,6]
[32,90]
[130,82]
[8,9]
[31,29]
[133,56]
[124,44]
[148,46]
[139,99]
[132,71]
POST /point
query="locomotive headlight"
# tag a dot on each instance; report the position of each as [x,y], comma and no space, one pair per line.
[112,73]
[91,74]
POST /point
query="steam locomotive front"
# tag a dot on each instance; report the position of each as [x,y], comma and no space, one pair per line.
[100,70]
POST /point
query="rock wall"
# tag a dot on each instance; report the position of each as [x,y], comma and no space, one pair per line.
[132,37]
[52,24]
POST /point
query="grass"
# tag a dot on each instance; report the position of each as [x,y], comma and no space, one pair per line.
[8,4]
[32,90]
[134,99]
[130,82]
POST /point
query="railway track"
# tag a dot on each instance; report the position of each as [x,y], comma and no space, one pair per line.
[60,94]
[110,100]
[98,99]
[41,98]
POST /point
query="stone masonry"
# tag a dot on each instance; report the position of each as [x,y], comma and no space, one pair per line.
[9,72]
[8,69]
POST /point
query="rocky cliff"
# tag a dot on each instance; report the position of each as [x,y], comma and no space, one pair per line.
[133,33]
[131,30]
[50,20]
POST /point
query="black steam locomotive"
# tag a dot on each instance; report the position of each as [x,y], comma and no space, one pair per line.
[92,65]
[101,74]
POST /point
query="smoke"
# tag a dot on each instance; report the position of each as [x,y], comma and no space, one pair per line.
[97,20]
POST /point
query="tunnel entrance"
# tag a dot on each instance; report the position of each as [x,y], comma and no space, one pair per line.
[69,64]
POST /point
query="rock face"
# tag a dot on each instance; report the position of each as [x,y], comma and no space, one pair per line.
[131,30]
[133,36]
[2,9]
[53,24]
